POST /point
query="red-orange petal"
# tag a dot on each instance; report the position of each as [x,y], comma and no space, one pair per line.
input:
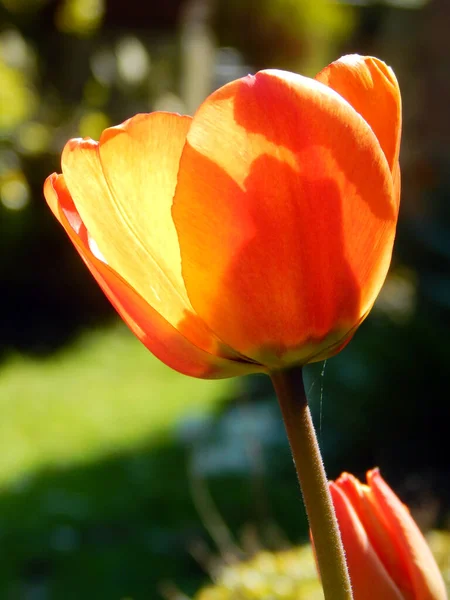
[159,336]
[416,555]
[369,578]
[371,87]
[379,534]
[396,178]
[285,214]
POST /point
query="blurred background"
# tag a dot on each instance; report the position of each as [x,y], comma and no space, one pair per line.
[120,479]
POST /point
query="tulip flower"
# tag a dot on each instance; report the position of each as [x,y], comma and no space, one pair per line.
[387,556]
[255,235]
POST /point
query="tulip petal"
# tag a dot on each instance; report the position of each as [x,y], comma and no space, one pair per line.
[369,578]
[140,161]
[155,332]
[371,87]
[379,534]
[396,178]
[424,574]
[122,188]
[285,216]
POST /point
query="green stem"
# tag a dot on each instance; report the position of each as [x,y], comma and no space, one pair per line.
[328,546]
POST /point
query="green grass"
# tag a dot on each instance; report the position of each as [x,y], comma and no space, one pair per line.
[94,495]
[105,394]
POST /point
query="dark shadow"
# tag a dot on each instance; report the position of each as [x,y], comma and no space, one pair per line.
[47,296]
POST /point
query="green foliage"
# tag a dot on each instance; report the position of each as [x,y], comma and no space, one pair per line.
[292,575]
[288,575]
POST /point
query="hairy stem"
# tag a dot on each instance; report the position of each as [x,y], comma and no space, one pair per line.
[308,462]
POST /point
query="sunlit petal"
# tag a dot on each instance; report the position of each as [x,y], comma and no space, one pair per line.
[170,345]
[123,188]
[285,214]
[371,87]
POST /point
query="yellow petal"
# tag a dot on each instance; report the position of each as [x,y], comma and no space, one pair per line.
[173,346]
[122,188]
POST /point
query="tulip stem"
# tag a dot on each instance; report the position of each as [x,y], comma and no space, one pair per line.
[308,462]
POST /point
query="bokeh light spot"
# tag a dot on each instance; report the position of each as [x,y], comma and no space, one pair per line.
[15,194]
[80,17]
[103,66]
[92,124]
[34,137]
[133,60]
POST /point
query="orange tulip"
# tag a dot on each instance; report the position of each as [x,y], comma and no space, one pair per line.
[253,236]
[387,556]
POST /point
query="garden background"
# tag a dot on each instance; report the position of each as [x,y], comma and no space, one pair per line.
[118,477]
